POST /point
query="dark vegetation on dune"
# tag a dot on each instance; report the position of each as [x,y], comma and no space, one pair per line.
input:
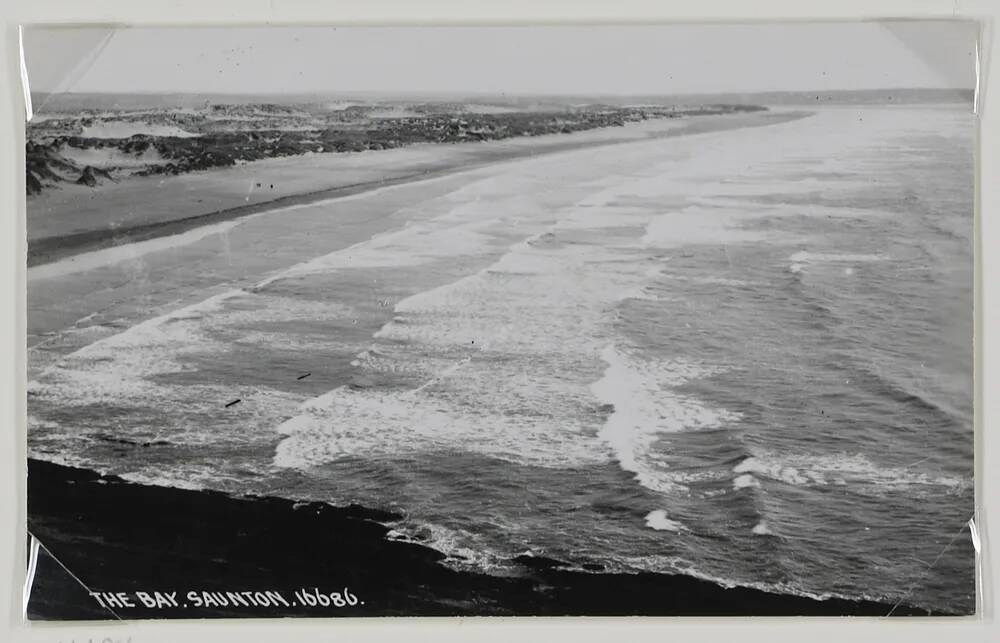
[224,135]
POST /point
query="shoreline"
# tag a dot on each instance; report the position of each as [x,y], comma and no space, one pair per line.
[458,157]
[116,536]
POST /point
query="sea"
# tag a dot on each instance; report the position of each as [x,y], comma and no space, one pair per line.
[745,356]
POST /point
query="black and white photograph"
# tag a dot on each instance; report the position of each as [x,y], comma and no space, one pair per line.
[607,320]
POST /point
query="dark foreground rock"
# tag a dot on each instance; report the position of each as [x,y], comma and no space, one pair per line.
[174,553]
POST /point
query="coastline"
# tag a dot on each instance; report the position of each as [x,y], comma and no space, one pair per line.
[75,219]
[117,536]
[338,212]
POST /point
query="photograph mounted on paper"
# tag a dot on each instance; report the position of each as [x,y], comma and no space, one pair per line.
[432,321]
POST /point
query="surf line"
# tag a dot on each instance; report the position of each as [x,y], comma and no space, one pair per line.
[133,251]
[440,376]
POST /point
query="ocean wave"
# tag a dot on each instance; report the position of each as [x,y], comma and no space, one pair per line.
[953,228]
[121,366]
[467,551]
[543,334]
[121,383]
[531,279]
[906,393]
[638,293]
[840,469]
[370,422]
[644,406]
[192,479]
[460,344]
[803,258]
[117,367]
[678,565]
[716,281]
[413,245]
[471,220]
[672,564]
[463,549]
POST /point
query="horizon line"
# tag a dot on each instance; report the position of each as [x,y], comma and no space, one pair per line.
[497,93]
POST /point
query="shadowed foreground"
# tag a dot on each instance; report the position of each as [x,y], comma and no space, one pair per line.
[116,536]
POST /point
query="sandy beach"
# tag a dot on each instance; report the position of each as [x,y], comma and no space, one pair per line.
[75,219]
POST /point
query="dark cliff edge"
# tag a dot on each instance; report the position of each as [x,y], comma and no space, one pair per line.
[220,556]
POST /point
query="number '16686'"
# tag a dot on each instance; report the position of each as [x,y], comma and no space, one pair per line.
[315,598]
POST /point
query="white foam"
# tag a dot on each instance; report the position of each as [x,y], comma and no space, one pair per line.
[658,520]
[557,306]
[554,300]
[674,564]
[777,472]
[412,246]
[463,222]
[125,373]
[645,406]
[464,550]
[714,281]
[745,481]
[819,257]
[842,469]
[377,423]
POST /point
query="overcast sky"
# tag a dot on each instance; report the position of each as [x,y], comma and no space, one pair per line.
[548,60]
